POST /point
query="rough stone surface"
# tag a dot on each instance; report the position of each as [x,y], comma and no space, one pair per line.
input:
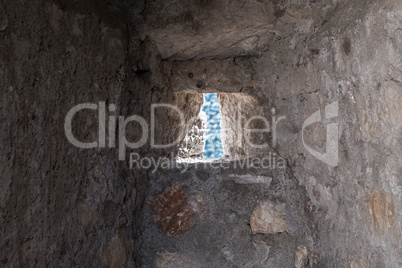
[174,259]
[61,206]
[3,19]
[359,66]
[382,212]
[208,76]
[200,205]
[301,257]
[241,114]
[359,263]
[212,25]
[172,211]
[268,218]
[221,235]
[86,216]
[115,254]
[263,181]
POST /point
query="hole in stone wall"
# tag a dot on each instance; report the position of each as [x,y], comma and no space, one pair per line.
[213,143]
[203,140]
[222,126]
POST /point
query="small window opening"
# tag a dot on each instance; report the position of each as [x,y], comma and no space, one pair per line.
[203,141]
[213,142]
[222,129]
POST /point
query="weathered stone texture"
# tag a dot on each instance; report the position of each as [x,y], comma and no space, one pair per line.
[172,211]
[64,206]
[212,25]
[177,211]
[206,76]
[115,253]
[61,205]
[223,204]
[301,257]
[174,259]
[268,218]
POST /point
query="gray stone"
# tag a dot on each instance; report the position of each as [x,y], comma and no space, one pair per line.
[262,181]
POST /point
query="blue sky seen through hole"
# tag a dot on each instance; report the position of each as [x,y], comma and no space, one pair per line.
[213,144]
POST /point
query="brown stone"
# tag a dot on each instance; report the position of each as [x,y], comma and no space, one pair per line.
[382,211]
[172,211]
[268,218]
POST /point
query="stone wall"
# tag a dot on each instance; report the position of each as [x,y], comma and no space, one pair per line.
[64,206]
[61,205]
[203,215]
[359,66]
[347,53]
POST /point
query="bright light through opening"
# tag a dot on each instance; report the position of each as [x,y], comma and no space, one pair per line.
[213,143]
